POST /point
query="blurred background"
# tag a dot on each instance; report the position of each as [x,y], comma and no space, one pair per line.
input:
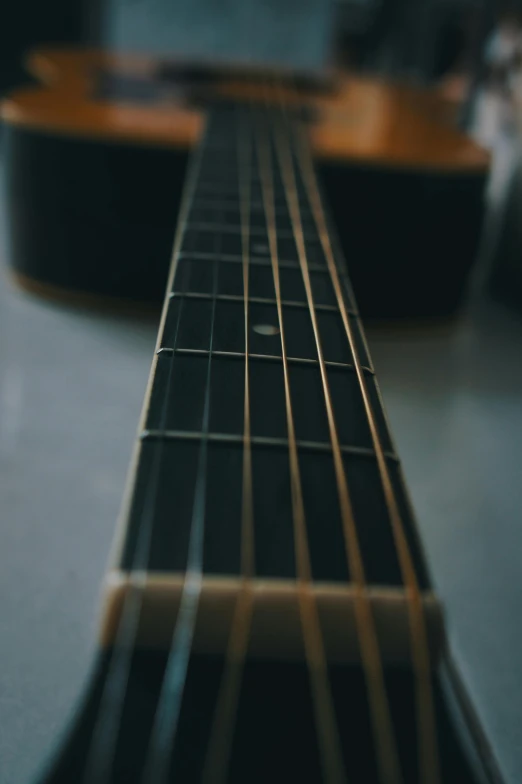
[72,380]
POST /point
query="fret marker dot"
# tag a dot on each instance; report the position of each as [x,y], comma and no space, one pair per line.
[266,329]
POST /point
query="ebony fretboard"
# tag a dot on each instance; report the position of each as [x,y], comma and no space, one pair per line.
[187,450]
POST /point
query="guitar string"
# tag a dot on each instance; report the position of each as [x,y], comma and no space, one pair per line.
[104,737]
[428,749]
[329,742]
[387,754]
[168,708]
[217,757]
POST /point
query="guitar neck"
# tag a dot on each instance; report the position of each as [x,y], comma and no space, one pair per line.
[254,359]
[268,614]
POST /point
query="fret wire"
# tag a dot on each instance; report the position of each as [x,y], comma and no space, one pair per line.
[104,737]
[344,278]
[219,748]
[230,258]
[428,755]
[259,300]
[262,441]
[268,357]
[234,204]
[387,755]
[219,188]
[230,228]
[329,741]
[168,707]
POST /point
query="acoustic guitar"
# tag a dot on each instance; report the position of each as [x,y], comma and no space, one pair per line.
[268,614]
[97,151]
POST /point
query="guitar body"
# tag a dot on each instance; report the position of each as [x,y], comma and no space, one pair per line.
[97,152]
[268,613]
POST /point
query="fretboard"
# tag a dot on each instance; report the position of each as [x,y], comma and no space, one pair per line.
[243,366]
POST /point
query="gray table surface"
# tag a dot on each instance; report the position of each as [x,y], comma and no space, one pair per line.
[71,387]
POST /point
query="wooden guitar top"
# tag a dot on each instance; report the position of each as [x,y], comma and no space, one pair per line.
[362,120]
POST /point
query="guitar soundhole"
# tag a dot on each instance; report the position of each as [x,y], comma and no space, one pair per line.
[268,330]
